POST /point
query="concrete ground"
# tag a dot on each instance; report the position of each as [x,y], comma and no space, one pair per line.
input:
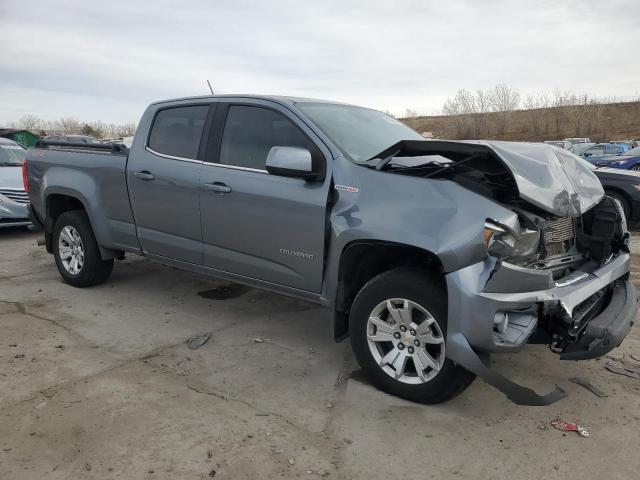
[98,383]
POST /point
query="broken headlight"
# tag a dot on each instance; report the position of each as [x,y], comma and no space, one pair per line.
[504,242]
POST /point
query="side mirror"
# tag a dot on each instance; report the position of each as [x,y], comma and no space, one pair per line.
[290,162]
[587,154]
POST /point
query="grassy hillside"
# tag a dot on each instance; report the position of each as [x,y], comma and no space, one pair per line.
[614,121]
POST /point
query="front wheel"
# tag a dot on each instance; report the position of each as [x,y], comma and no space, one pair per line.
[398,330]
[76,251]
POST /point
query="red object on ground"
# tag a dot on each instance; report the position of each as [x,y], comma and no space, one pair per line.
[570,427]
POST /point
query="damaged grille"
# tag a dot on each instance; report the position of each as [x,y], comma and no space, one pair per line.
[15,194]
[559,230]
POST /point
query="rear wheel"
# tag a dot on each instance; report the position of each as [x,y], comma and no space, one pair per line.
[76,251]
[398,330]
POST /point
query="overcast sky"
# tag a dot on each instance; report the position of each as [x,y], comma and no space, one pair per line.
[106,60]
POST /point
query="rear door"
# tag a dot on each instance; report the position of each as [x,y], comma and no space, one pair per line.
[256,224]
[164,178]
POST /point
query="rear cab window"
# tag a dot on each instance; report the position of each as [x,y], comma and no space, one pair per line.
[176,131]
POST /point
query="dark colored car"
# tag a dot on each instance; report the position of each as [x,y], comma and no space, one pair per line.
[623,186]
[629,160]
[72,139]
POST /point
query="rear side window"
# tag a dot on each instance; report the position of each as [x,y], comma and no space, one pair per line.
[250,132]
[177,131]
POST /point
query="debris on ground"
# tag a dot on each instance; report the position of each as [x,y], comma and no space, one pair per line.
[19,355]
[589,386]
[257,340]
[626,371]
[569,427]
[291,461]
[197,341]
[212,473]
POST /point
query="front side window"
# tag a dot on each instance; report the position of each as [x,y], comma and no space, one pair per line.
[177,131]
[250,132]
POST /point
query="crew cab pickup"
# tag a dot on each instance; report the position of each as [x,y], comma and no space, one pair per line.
[430,255]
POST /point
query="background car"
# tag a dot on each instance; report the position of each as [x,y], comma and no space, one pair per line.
[72,138]
[574,140]
[579,148]
[600,149]
[13,198]
[624,186]
[559,143]
[629,160]
[625,143]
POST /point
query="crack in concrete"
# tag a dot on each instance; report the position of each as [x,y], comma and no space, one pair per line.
[50,391]
[249,405]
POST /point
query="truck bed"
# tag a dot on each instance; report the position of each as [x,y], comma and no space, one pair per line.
[96,174]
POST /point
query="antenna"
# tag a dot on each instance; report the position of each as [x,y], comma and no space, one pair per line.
[208,83]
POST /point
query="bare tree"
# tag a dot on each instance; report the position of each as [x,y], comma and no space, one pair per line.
[458,107]
[69,125]
[537,108]
[30,122]
[410,113]
[505,99]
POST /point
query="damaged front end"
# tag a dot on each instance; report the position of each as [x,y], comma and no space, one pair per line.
[556,268]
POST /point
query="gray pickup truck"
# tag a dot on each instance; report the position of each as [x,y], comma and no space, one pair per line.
[431,255]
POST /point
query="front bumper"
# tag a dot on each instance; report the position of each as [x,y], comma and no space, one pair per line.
[481,293]
[606,331]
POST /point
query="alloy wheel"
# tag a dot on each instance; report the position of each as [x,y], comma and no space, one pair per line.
[71,250]
[406,341]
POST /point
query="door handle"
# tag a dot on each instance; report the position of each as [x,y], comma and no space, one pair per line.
[144,175]
[217,187]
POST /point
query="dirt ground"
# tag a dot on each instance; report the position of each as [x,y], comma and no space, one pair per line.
[99,383]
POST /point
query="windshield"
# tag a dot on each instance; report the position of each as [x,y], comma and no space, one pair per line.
[12,155]
[633,151]
[360,133]
[579,148]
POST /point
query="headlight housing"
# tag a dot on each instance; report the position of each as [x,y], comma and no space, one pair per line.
[505,243]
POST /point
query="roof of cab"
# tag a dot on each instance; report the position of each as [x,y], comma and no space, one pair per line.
[277,98]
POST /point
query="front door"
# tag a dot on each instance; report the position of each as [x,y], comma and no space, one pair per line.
[256,224]
[164,180]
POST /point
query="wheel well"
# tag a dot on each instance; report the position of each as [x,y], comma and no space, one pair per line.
[623,194]
[56,205]
[361,261]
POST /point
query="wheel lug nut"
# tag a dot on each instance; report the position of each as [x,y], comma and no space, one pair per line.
[403,328]
[412,332]
[410,350]
[416,343]
[401,346]
[396,335]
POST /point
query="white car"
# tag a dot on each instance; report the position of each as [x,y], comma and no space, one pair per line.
[13,198]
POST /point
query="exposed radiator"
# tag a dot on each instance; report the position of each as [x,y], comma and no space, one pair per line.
[559,230]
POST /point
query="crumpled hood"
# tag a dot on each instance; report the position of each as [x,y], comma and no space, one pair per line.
[11,177]
[550,178]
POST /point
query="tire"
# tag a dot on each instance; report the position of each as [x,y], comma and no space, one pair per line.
[415,291]
[73,235]
[623,201]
